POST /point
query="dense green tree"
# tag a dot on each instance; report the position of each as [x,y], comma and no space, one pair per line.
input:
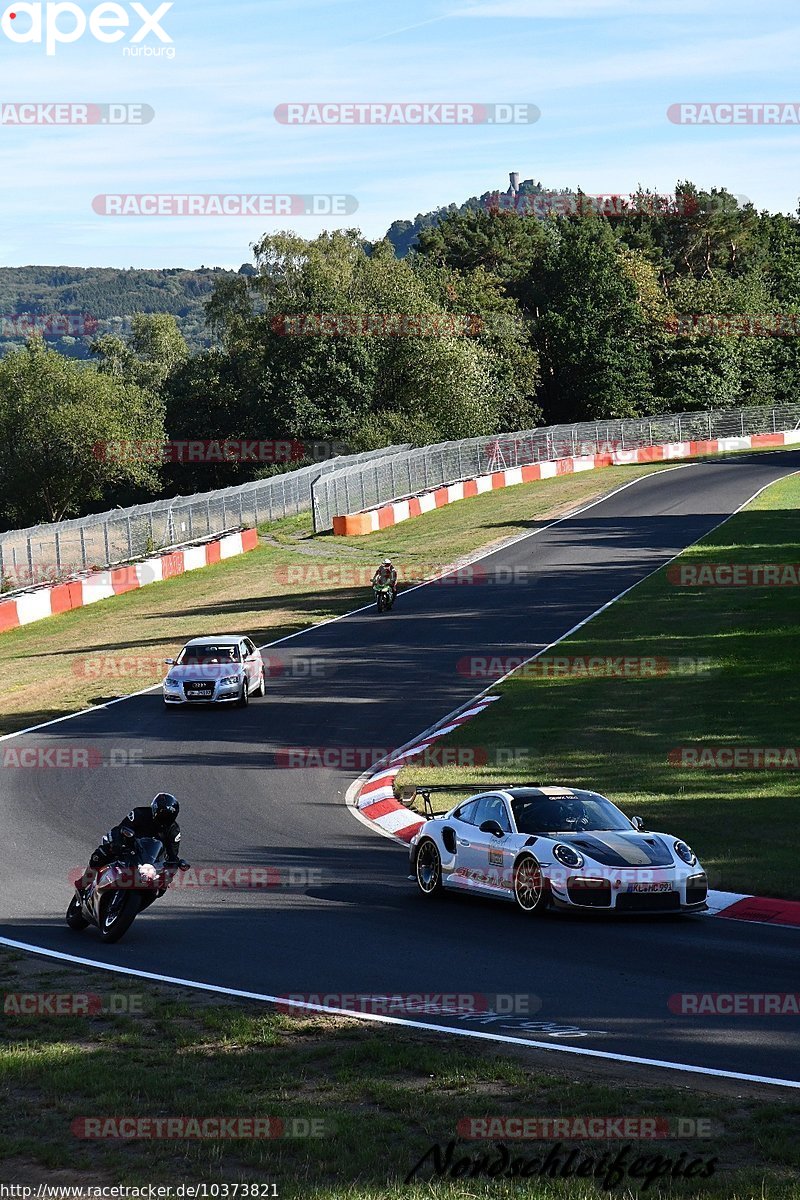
[62,425]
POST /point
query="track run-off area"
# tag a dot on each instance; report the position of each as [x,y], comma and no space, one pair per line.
[345,921]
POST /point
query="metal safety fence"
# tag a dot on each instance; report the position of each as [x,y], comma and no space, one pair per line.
[48,553]
[359,486]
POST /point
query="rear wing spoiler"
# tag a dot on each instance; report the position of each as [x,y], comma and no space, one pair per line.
[409,793]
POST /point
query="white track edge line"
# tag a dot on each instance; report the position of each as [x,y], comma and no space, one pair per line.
[382,1019]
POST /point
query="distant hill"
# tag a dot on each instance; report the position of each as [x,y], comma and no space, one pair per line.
[70,306]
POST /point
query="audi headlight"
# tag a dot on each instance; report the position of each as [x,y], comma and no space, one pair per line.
[686,853]
[172,685]
[567,856]
[231,680]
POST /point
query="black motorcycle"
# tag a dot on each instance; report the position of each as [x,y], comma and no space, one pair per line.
[123,889]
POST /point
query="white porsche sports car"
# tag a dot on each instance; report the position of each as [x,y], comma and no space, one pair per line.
[555,846]
[210,670]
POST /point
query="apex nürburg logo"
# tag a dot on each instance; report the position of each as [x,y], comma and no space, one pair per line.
[64,22]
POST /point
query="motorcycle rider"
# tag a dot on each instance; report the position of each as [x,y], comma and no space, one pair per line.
[386,574]
[156,820]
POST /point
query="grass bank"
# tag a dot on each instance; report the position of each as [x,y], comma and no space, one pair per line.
[675,674]
[376,1101]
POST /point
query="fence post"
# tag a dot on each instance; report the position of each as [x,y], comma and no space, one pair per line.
[83,548]
[130,540]
[105,539]
[314,517]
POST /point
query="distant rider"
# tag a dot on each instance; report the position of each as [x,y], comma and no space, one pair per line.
[386,574]
[156,820]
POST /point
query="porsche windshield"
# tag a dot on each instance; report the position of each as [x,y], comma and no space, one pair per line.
[193,656]
[566,814]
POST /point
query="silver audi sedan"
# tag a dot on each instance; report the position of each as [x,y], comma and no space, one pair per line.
[227,669]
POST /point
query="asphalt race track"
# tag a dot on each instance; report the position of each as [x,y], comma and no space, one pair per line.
[359,926]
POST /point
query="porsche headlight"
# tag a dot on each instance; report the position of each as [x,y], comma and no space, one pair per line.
[685,853]
[567,856]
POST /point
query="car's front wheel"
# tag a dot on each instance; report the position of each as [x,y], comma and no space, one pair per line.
[530,891]
[244,695]
[428,868]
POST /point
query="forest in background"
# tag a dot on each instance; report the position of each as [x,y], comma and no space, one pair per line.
[510,311]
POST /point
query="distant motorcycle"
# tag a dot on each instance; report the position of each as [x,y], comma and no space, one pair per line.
[384,596]
[123,889]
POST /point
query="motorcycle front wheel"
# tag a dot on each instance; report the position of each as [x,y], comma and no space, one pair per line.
[117,914]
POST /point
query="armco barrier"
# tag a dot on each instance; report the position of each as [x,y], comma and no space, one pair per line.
[386,515]
[48,601]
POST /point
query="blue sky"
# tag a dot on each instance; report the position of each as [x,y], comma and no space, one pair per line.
[602,72]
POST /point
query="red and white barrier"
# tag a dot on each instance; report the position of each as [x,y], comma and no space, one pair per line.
[376,799]
[51,599]
[370,521]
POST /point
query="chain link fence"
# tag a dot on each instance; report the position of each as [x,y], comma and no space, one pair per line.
[360,486]
[48,553]
[347,484]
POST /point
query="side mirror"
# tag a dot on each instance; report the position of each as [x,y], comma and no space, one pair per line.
[637,823]
[493,828]
[170,662]
[408,795]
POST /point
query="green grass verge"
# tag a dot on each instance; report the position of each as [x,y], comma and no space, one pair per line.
[117,646]
[615,734]
[383,1099]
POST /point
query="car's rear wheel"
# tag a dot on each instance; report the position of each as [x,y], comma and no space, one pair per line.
[530,891]
[428,868]
[261,688]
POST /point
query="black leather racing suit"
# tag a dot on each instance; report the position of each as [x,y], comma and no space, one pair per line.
[141,823]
